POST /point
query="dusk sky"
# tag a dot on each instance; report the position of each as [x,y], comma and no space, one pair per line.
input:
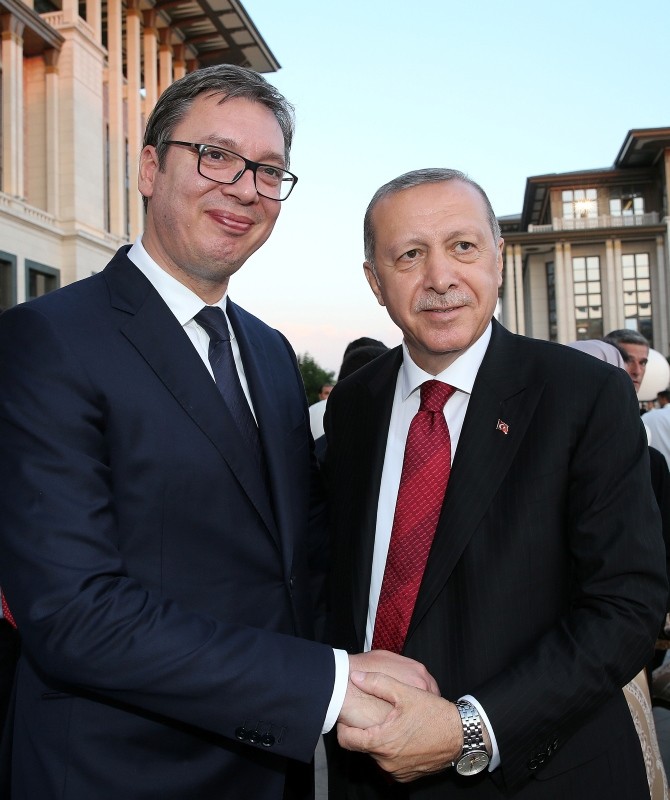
[501,91]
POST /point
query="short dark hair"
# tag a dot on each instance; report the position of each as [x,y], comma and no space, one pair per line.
[409,180]
[665,394]
[363,341]
[228,80]
[359,357]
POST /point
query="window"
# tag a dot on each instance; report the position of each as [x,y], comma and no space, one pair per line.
[637,293]
[588,297]
[626,203]
[40,279]
[7,280]
[580,203]
[551,300]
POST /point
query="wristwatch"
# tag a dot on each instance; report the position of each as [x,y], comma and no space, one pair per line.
[473,757]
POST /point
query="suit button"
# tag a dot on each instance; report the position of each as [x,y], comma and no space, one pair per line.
[291,582]
[268,740]
[533,764]
[254,737]
[241,733]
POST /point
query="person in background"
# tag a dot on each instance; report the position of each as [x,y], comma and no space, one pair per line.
[634,349]
[317,410]
[658,422]
[356,355]
[663,398]
[492,517]
[366,349]
[325,390]
[155,516]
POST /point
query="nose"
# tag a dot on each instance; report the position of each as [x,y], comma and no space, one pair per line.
[244,187]
[439,273]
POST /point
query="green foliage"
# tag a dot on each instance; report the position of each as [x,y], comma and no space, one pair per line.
[313,376]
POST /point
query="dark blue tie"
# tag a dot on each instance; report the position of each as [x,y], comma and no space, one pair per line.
[221,358]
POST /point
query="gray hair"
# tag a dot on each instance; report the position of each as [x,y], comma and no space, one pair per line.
[228,80]
[625,336]
[409,180]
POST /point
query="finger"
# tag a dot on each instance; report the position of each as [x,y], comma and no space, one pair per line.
[352,738]
[375,683]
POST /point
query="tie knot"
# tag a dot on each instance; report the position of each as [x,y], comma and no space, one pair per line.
[213,320]
[434,395]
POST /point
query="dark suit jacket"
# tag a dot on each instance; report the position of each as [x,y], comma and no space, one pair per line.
[157,587]
[545,584]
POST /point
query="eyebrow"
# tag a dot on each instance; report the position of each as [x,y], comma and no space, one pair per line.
[231,144]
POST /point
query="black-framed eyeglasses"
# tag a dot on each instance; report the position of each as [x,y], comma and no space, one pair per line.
[224,166]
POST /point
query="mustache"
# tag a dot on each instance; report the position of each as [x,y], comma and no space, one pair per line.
[443,302]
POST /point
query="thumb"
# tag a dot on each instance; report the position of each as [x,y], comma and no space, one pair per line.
[376,684]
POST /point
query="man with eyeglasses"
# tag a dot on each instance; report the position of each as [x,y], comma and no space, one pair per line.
[159,516]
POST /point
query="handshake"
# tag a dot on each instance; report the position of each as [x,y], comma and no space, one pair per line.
[394,712]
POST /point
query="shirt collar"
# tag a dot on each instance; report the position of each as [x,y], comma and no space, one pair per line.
[461,374]
[183,303]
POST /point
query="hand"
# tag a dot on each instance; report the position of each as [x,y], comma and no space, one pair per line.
[421,734]
[403,669]
[363,710]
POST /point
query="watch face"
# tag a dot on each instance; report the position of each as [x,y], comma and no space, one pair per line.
[472,763]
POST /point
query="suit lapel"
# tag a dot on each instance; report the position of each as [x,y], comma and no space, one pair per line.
[504,397]
[162,342]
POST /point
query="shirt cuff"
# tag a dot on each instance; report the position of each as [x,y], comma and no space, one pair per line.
[339,689]
[495,754]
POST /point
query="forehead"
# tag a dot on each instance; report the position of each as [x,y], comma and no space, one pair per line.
[214,116]
[639,351]
[429,207]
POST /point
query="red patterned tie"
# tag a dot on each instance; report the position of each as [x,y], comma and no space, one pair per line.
[425,472]
[6,612]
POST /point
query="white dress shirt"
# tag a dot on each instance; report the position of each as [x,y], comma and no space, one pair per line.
[461,374]
[185,304]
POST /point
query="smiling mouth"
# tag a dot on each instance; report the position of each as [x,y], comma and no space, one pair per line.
[231,221]
[442,309]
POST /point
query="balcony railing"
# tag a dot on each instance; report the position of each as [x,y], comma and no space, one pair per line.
[605,221]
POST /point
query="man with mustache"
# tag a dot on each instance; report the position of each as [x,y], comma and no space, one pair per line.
[492,517]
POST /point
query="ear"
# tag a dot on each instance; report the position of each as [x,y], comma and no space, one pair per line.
[372,279]
[499,260]
[147,171]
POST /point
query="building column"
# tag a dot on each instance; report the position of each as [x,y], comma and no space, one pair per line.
[660,308]
[520,300]
[150,43]
[134,76]
[569,295]
[12,106]
[117,143]
[164,60]
[52,130]
[179,61]
[70,9]
[559,289]
[610,309]
[618,285]
[94,18]
[509,292]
